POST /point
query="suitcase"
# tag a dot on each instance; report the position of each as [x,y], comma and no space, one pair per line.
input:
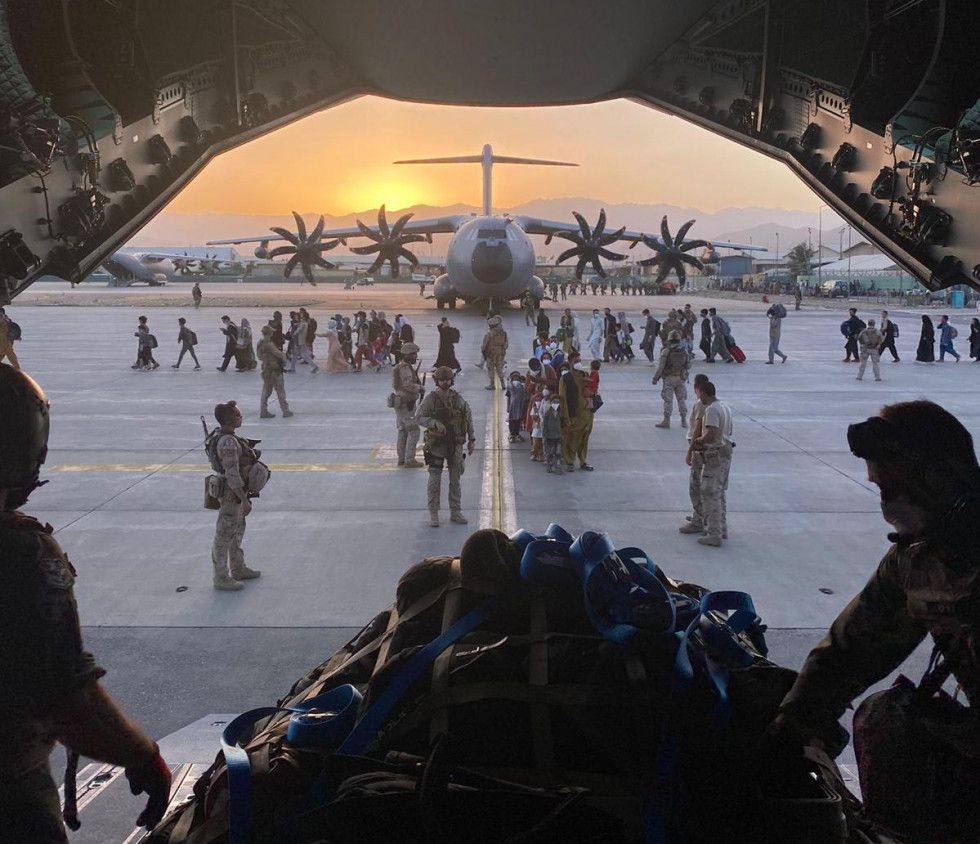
[737,353]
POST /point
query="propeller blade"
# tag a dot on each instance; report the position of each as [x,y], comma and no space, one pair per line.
[400,224]
[681,275]
[366,250]
[665,233]
[664,272]
[583,226]
[367,232]
[393,263]
[286,235]
[611,256]
[326,245]
[308,272]
[572,236]
[682,232]
[694,244]
[580,267]
[282,250]
[649,262]
[547,240]
[653,243]
[383,223]
[568,253]
[689,259]
[597,266]
[300,226]
[290,266]
[377,264]
[325,264]
[408,256]
[600,226]
[606,239]
[317,232]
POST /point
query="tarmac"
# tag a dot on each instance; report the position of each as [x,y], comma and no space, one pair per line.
[339,522]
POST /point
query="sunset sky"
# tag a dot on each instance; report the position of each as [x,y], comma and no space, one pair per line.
[339,161]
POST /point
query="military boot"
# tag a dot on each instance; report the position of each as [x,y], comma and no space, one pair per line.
[433,518]
[266,415]
[458,518]
[683,420]
[229,585]
[664,424]
[412,463]
[245,573]
[287,413]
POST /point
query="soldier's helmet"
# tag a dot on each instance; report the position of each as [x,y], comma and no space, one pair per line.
[444,373]
[494,321]
[409,349]
[24,426]
[266,329]
[674,336]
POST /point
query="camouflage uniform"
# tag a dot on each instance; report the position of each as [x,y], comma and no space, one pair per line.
[41,661]
[714,474]
[450,408]
[494,350]
[273,363]
[673,368]
[870,340]
[918,588]
[697,465]
[227,556]
[407,388]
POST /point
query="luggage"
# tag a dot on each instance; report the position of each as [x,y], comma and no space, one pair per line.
[737,353]
[535,688]
[779,310]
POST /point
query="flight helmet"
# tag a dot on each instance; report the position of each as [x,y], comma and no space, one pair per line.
[24,427]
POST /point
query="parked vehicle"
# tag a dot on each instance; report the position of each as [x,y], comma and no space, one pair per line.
[834,289]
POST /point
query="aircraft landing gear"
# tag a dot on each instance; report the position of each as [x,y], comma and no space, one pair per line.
[440,304]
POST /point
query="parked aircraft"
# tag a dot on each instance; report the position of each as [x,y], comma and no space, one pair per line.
[490,255]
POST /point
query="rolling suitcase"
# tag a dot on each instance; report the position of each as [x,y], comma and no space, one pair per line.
[737,353]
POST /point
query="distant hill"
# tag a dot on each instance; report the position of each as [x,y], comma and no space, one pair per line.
[742,225]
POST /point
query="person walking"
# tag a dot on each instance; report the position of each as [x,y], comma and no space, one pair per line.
[695,460]
[406,390]
[975,339]
[233,460]
[336,360]
[775,314]
[517,403]
[715,444]
[673,367]
[947,334]
[889,330]
[448,338]
[246,354]
[301,348]
[187,340]
[611,349]
[551,425]
[230,330]
[196,295]
[7,338]
[720,332]
[51,686]
[577,414]
[870,340]
[273,365]
[494,351]
[926,352]
[705,344]
[596,331]
[651,328]
[448,424]
[797,295]
[850,328]
[144,353]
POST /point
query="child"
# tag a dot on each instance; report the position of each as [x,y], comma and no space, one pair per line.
[592,379]
[516,406]
[534,413]
[551,434]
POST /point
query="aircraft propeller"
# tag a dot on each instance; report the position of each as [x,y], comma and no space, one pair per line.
[672,252]
[305,250]
[591,244]
[389,243]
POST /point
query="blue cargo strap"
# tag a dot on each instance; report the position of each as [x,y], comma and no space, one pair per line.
[236,757]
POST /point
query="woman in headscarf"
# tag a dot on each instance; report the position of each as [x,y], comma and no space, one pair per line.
[975,339]
[448,338]
[246,353]
[625,340]
[336,360]
[577,418]
[926,353]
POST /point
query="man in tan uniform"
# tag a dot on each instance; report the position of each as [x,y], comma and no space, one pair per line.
[695,459]
[494,350]
[406,389]
[273,363]
[232,459]
[448,424]
[715,444]
[673,368]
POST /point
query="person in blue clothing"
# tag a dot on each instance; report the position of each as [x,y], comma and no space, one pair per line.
[946,335]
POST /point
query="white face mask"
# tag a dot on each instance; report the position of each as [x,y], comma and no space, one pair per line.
[555,405]
[577,365]
[545,360]
[552,346]
[515,382]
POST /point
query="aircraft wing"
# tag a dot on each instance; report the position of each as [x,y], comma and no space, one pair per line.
[533,225]
[434,225]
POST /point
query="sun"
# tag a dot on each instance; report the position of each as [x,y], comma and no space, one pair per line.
[394,193]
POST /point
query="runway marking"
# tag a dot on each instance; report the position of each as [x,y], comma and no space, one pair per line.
[497,508]
[204,467]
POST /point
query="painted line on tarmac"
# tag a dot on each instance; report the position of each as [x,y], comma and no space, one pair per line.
[497,493]
[204,467]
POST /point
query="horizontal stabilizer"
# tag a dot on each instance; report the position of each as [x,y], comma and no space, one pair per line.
[478,159]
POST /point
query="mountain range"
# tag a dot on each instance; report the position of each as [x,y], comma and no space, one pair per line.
[743,225]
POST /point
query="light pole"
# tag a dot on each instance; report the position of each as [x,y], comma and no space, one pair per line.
[820,245]
[777,252]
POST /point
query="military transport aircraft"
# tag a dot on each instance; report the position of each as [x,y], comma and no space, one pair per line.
[490,255]
[157,268]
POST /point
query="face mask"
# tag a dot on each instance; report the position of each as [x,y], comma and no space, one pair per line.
[545,394]
[515,382]
[555,405]
[552,346]
[577,365]
[545,360]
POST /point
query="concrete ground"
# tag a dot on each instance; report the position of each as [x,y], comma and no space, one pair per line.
[338,522]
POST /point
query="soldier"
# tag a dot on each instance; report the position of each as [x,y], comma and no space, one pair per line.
[49,686]
[448,424]
[196,294]
[406,391]
[232,459]
[494,350]
[870,340]
[715,445]
[273,364]
[923,461]
[695,459]
[673,367]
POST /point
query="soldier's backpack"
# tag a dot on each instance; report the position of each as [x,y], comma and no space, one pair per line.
[578,672]
[152,341]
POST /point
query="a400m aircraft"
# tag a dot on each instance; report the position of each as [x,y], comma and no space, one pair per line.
[490,257]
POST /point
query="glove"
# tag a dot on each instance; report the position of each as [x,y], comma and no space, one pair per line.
[153,778]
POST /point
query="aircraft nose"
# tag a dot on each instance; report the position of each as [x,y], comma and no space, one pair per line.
[492,264]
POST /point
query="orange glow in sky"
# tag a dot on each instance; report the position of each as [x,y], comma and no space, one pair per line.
[339,161]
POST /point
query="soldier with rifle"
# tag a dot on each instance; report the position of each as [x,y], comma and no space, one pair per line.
[406,389]
[448,424]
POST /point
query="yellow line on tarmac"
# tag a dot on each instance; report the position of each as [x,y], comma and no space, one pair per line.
[203,467]
[496,517]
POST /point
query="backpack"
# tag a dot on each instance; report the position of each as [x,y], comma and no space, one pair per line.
[311,327]
[13,330]
[152,340]
[452,334]
[779,310]
[953,333]
[845,328]
[192,337]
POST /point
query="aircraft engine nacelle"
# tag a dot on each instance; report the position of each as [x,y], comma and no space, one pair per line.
[262,251]
[710,256]
[536,288]
[444,292]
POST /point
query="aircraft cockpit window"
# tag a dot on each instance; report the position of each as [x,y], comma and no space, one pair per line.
[500,234]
